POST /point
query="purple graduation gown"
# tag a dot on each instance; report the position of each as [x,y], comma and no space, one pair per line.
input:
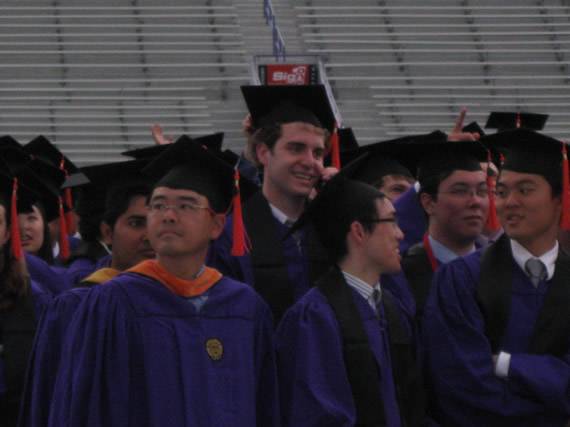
[411,219]
[459,360]
[54,280]
[137,354]
[313,384]
[83,267]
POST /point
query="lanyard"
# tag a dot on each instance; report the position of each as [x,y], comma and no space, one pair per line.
[430,254]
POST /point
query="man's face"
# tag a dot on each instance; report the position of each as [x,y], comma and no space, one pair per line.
[382,244]
[459,213]
[185,230]
[393,186]
[128,237]
[294,165]
[526,209]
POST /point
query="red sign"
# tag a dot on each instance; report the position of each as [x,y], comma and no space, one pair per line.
[288,74]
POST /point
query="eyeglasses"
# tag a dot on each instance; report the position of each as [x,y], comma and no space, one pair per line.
[465,193]
[182,209]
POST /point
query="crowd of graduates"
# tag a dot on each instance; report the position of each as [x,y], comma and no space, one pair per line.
[307,281]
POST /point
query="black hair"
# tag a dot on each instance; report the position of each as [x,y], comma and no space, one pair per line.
[45,252]
[119,198]
[355,201]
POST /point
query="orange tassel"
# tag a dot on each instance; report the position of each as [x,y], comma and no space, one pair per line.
[69,214]
[16,248]
[565,219]
[335,150]
[241,243]
[63,243]
[492,220]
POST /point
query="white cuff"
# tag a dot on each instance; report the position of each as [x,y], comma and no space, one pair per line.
[503,363]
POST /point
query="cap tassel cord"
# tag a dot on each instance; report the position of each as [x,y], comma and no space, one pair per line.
[69,214]
[16,247]
[241,243]
[565,219]
[492,220]
[63,244]
[334,145]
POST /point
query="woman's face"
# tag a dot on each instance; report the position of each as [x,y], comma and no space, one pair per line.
[31,230]
[4,229]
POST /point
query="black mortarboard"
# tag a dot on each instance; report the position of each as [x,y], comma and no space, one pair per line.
[75,180]
[527,151]
[107,176]
[506,121]
[8,141]
[277,105]
[437,157]
[473,127]
[346,140]
[45,180]
[44,150]
[190,166]
[15,158]
[212,142]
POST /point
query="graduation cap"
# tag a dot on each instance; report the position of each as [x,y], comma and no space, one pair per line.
[108,175]
[15,158]
[505,121]
[279,105]
[526,151]
[44,150]
[212,142]
[8,141]
[473,127]
[192,167]
[347,145]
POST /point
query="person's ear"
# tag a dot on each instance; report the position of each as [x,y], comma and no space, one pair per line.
[106,233]
[427,202]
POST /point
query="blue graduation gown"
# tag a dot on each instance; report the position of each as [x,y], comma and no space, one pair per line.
[459,360]
[137,354]
[313,384]
[73,243]
[411,219]
[54,280]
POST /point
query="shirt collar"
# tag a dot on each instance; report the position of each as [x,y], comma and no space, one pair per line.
[363,288]
[441,252]
[280,216]
[521,256]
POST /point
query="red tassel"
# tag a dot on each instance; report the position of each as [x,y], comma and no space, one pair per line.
[241,243]
[69,214]
[518,120]
[565,219]
[63,243]
[492,220]
[335,150]
[16,248]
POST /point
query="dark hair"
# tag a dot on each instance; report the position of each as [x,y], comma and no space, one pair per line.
[355,201]
[379,183]
[119,198]
[13,282]
[45,252]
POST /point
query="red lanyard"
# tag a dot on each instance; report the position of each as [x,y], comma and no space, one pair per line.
[430,254]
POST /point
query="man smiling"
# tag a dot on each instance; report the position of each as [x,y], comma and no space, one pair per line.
[496,325]
[291,132]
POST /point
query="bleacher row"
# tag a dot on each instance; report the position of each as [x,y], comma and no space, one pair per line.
[93,77]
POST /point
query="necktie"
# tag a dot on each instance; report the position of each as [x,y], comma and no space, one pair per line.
[536,270]
[296,235]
